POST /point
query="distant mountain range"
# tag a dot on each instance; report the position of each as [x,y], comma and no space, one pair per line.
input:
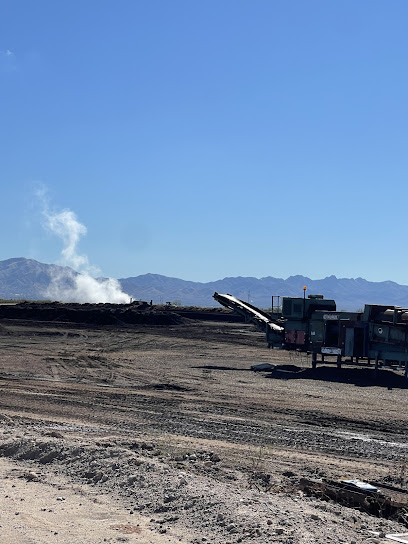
[22,278]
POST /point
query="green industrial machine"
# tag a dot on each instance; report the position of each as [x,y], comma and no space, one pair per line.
[299,314]
[313,325]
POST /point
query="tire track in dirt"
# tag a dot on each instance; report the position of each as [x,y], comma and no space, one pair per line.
[129,410]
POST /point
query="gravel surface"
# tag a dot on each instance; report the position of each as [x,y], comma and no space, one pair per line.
[150,434]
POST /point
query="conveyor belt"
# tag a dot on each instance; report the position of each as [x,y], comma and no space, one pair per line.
[255,315]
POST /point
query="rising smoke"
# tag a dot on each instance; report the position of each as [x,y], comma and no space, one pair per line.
[77,285]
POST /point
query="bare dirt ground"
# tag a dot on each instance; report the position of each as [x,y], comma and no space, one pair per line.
[163,434]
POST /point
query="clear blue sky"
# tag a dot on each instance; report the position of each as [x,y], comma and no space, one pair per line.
[209,138]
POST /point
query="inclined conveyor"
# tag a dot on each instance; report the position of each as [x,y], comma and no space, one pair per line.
[274,331]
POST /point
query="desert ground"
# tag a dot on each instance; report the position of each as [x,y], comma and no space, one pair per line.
[161,433]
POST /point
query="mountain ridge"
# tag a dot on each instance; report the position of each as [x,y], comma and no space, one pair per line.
[22,278]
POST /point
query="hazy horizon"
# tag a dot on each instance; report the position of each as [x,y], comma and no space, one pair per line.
[152,273]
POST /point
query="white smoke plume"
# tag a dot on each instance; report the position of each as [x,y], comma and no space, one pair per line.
[67,285]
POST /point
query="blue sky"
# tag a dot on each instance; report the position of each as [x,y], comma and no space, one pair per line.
[204,139]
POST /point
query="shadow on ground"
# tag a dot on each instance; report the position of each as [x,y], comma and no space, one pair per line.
[215,367]
[361,377]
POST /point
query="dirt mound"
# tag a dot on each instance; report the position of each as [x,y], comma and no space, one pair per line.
[205,314]
[172,489]
[92,314]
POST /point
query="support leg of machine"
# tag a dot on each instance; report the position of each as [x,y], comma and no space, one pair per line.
[338,361]
[314,359]
[376,366]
